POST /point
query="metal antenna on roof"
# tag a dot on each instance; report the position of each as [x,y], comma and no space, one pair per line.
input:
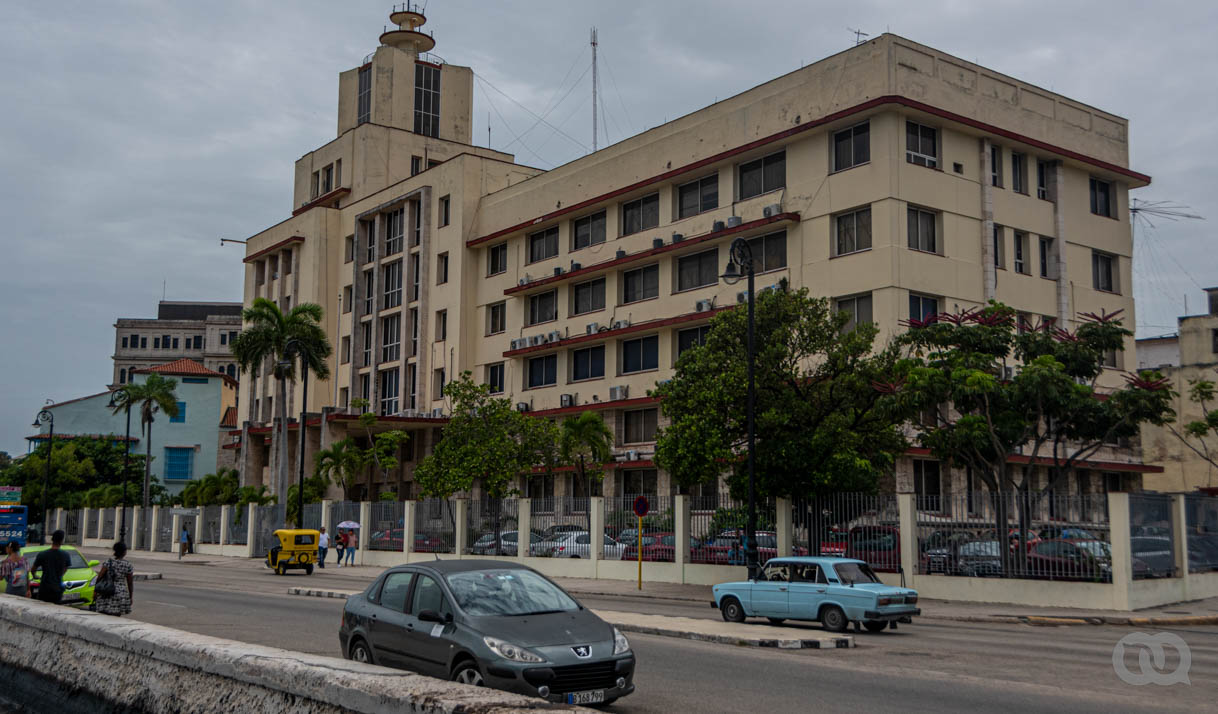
[594,90]
[1147,212]
[858,35]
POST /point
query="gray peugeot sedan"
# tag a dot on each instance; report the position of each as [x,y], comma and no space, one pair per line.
[488,623]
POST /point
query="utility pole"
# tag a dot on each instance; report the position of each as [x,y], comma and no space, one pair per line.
[594,89]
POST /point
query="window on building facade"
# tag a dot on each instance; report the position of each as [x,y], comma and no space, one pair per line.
[412,386]
[179,462]
[416,165]
[639,425]
[415,278]
[327,179]
[347,298]
[588,296]
[922,225]
[1048,258]
[363,111]
[414,331]
[921,144]
[588,231]
[542,371]
[394,231]
[1104,272]
[1000,257]
[640,284]
[496,259]
[445,211]
[389,380]
[1019,172]
[927,487]
[143,343]
[416,222]
[641,214]
[345,351]
[156,343]
[122,376]
[366,333]
[496,318]
[124,343]
[698,270]
[769,173]
[441,268]
[1102,198]
[691,337]
[369,292]
[494,377]
[441,325]
[315,185]
[1042,179]
[365,390]
[1021,253]
[1111,359]
[543,245]
[640,355]
[1214,341]
[392,276]
[368,231]
[391,338]
[349,249]
[698,196]
[922,306]
[426,99]
[543,307]
[769,251]
[852,231]
[638,482]
[859,309]
[852,146]
[588,363]
[995,165]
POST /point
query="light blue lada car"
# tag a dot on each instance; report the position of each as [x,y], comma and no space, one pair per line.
[832,591]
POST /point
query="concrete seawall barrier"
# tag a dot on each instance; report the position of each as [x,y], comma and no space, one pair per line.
[72,660]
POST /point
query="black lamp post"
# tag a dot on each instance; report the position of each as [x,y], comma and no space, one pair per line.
[740,263]
[46,416]
[114,402]
[296,348]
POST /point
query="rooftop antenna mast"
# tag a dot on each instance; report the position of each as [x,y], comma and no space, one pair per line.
[594,89]
[1148,211]
[858,36]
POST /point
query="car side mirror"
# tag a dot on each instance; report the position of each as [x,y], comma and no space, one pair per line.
[94,563]
[433,616]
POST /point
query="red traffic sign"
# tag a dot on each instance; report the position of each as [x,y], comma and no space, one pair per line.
[641,506]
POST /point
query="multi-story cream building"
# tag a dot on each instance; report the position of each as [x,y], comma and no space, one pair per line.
[199,331]
[894,178]
[1189,355]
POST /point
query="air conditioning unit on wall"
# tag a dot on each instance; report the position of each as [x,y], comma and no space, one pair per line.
[592,328]
[567,400]
[522,406]
[772,210]
[437,413]
[554,336]
[617,393]
[703,305]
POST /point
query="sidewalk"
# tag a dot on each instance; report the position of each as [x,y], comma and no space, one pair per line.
[1199,612]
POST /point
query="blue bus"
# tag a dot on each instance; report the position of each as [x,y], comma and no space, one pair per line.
[14,524]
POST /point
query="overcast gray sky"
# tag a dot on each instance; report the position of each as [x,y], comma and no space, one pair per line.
[135,134]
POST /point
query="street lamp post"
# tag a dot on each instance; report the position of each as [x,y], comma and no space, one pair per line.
[740,262]
[295,346]
[46,416]
[122,528]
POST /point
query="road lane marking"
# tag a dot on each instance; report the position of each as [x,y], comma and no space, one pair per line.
[166,604]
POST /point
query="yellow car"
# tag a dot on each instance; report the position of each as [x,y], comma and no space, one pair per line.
[297,550]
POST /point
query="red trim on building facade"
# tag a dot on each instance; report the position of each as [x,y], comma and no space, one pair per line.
[609,334]
[595,406]
[827,119]
[273,248]
[324,198]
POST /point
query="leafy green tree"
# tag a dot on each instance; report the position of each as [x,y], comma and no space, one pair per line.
[585,442]
[383,447]
[1201,435]
[258,496]
[155,392]
[272,335]
[314,491]
[821,424]
[342,464]
[488,441]
[77,466]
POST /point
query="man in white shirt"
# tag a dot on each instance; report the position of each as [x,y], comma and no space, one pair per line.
[323,544]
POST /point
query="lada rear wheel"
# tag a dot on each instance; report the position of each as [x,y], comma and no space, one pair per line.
[833,618]
[732,610]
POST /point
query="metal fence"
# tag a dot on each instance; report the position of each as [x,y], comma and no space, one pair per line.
[267,520]
[343,511]
[488,516]
[658,539]
[107,524]
[238,527]
[1151,543]
[718,528]
[209,531]
[1201,524]
[71,527]
[388,523]
[435,526]
[1010,534]
[823,525]
[142,533]
[165,540]
[312,516]
[551,519]
[92,528]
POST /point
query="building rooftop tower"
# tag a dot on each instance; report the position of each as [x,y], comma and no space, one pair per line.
[407,36]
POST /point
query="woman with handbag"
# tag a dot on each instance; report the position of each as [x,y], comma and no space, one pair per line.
[113,593]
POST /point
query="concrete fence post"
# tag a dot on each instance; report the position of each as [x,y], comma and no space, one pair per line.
[1122,551]
[84,524]
[681,528]
[176,534]
[197,531]
[907,516]
[325,516]
[365,518]
[250,530]
[785,534]
[461,507]
[133,528]
[59,524]
[524,530]
[409,513]
[596,539]
[226,512]
[154,531]
[1179,536]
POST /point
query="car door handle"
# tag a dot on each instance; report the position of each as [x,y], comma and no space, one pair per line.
[820,590]
[782,588]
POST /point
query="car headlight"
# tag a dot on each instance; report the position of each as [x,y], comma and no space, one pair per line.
[93,581]
[621,645]
[71,584]
[507,650]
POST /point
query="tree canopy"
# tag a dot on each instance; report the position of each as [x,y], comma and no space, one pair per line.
[79,467]
[821,424]
[1201,435]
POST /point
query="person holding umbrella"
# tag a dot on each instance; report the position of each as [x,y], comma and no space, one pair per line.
[349,540]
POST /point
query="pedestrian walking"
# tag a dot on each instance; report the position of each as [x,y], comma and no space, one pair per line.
[352,541]
[15,571]
[323,545]
[341,545]
[183,542]
[52,563]
[120,571]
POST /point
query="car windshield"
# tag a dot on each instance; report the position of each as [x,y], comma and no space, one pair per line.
[855,573]
[1097,548]
[985,547]
[74,559]
[508,592]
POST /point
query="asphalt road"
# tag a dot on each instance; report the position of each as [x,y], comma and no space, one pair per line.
[931,666]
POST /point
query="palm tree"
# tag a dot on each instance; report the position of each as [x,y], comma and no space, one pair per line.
[584,442]
[278,337]
[155,392]
[342,463]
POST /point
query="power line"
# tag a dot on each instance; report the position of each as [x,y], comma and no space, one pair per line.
[551,105]
[509,126]
[488,83]
[613,79]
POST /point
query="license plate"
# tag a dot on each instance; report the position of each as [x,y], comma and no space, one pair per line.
[595,696]
[72,598]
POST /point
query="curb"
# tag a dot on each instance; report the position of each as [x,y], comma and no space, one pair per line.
[637,596]
[313,592]
[844,642]
[145,576]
